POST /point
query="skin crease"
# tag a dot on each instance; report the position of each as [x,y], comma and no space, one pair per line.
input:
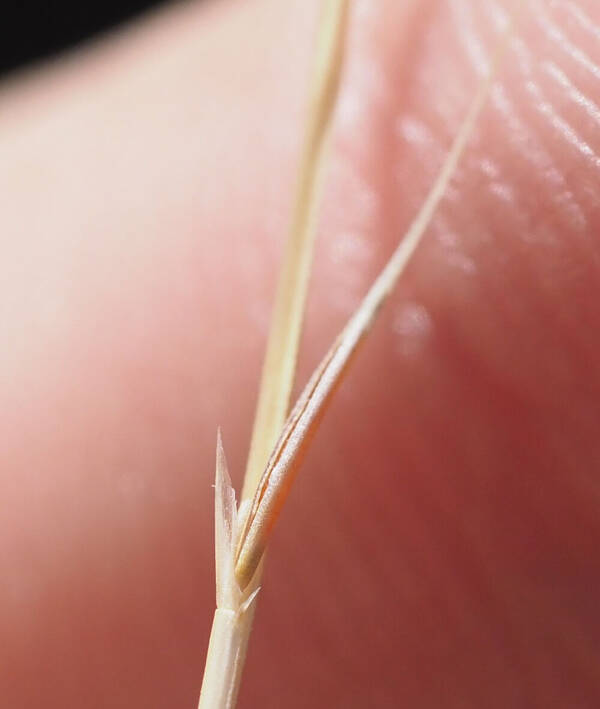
[440,545]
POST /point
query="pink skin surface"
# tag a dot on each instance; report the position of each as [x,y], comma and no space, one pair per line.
[440,548]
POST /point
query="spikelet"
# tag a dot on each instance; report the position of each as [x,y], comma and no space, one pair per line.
[242,536]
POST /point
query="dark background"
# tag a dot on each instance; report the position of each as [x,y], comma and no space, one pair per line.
[32,29]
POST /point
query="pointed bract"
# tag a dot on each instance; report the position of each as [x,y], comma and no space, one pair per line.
[225,533]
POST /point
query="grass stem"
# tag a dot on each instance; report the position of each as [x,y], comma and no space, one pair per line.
[233,617]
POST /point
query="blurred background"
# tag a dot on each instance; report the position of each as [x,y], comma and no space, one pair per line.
[31,30]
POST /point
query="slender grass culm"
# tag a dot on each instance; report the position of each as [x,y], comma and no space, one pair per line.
[241,535]
[235,610]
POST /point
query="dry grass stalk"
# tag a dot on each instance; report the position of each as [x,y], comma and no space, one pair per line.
[240,543]
[235,608]
[286,324]
[287,454]
[285,459]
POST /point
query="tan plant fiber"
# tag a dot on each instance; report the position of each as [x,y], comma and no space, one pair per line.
[277,446]
[286,325]
[296,435]
[232,621]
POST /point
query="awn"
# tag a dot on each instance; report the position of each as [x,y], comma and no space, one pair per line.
[241,537]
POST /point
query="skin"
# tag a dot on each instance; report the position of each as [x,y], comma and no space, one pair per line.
[440,545]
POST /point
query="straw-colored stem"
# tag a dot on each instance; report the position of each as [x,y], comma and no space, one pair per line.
[280,361]
[232,622]
[302,422]
[227,638]
[239,556]
[223,650]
